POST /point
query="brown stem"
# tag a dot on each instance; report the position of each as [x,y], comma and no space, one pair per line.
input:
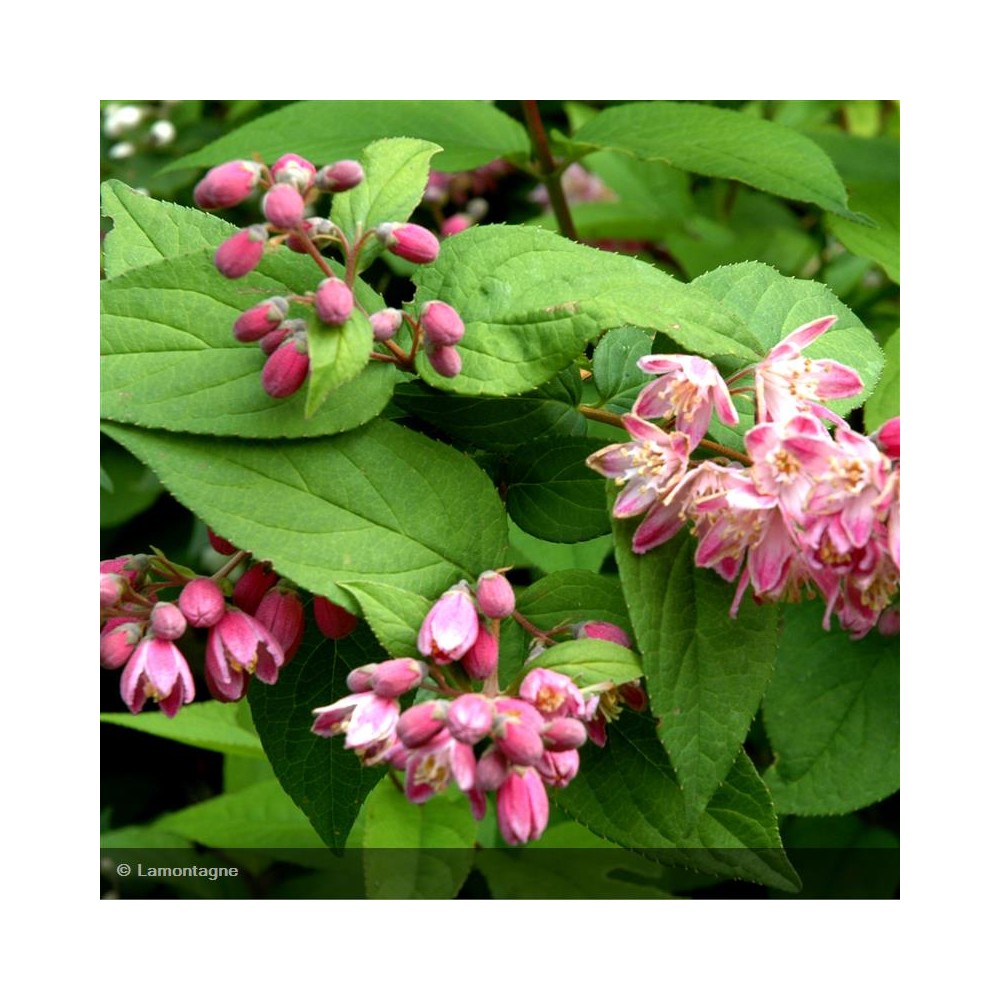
[723,450]
[228,567]
[531,629]
[313,251]
[550,172]
[402,358]
[602,416]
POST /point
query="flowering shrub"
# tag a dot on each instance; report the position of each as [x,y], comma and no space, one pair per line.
[506,536]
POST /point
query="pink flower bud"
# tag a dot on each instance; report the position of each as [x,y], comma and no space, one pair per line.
[394,678]
[888,623]
[602,630]
[411,242]
[315,226]
[294,169]
[564,734]
[242,252]
[220,544]
[118,643]
[633,696]
[558,769]
[450,627]
[332,620]
[492,770]
[386,323]
[227,185]
[456,224]
[201,602]
[887,438]
[286,369]
[113,589]
[340,176]
[238,645]
[252,586]
[482,658]
[495,595]
[421,723]
[283,206]
[166,621]
[445,361]
[470,718]
[441,324]
[281,613]
[334,302]
[359,679]
[260,320]
[518,731]
[522,807]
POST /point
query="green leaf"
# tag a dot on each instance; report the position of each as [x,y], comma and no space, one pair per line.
[617,377]
[531,301]
[627,793]
[720,143]
[259,816]
[210,725]
[379,503]
[553,495]
[832,717]
[127,486]
[881,244]
[396,172]
[570,862]
[591,661]
[859,160]
[147,231]
[324,779]
[416,852]
[883,404]
[773,306]
[131,838]
[562,598]
[336,355]
[169,358]
[394,615]
[552,557]
[498,424]
[471,133]
[705,672]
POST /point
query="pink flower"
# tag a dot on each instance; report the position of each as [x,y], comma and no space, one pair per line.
[237,647]
[788,383]
[334,302]
[421,723]
[253,585]
[340,176]
[295,170]
[648,466]
[365,719]
[441,324]
[518,731]
[450,628]
[260,320]
[283,206]
[282,614]
[687,389]
[286,369]
[553,694]
[118,641]
[431,767]
[559,768]
[470,718]
[602,630]
[202,603]
[483,656]
[157,670]
[522,807]
[242,252]
[227,184]
[386,324]
[332,620]
[495,595]
[411,242]
[445,360]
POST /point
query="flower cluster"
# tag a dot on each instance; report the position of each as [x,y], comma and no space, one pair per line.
[516,743]
[805,510]
[456,200]
[291,187]
[254,632]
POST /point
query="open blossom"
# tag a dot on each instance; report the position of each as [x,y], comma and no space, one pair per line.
[157,669]
[238,646]
[648,466]
[688,389]
[450,628]
[522,806]
[788,383]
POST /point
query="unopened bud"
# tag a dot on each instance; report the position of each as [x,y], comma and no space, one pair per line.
[442,326]
[113,589]
[242,252]
[286,369]
[261,319]
[340,176]
[411,242]
[283,206]
[281,613]
[495,595]
[386,323]
[332,620]
[482,659]
[314,227]
[455,224]
[445,361]
[602,630]
[394,678]
[223,547]
[421,723]
[252,586]
[118,643]
[334,302]
[887,438]
[295,170]
[470,718]
[167,621]
[564,734]
[202,603]
[227,185]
